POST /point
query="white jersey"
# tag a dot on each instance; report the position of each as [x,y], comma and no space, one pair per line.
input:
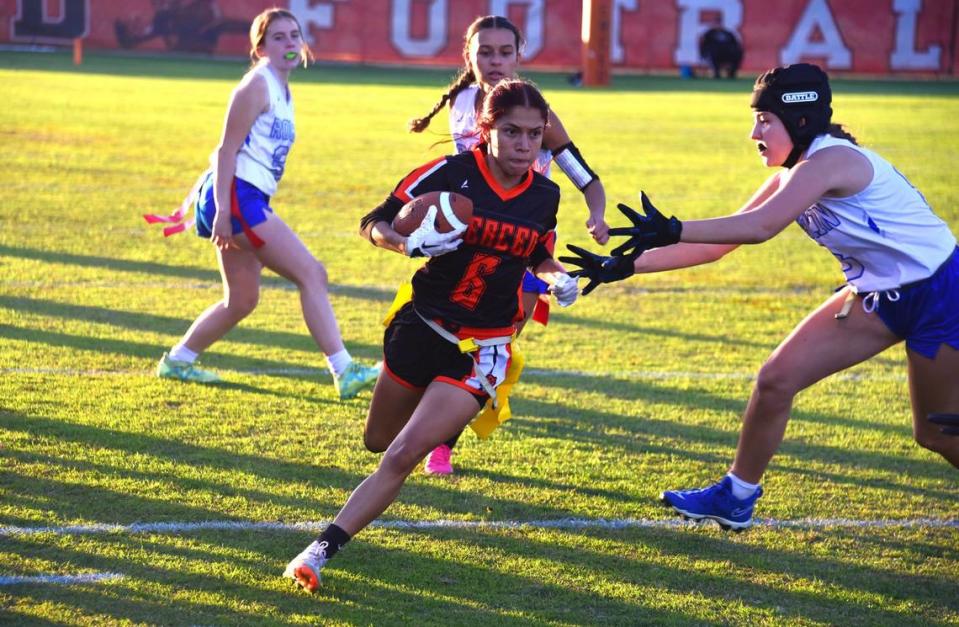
[886,235]
[262,157]
[466,134]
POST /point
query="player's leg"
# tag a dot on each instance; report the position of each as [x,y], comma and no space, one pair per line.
[390,409]
[443,411]
[819,346]
[934,388]
[240,270]
[286,255]
[440,459]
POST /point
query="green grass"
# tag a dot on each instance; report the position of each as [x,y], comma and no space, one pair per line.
[90,296]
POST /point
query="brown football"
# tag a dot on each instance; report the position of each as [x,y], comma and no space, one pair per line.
[411,215]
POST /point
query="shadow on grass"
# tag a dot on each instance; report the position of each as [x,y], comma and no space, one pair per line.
[175,325]
[150,592]
[395,577]
[391,579]
[163,324]
[611,326]
[741,563]
[182,272]
[660,391]
[251,591]
[152,353]
[645,436]
[76,500]
[374,294]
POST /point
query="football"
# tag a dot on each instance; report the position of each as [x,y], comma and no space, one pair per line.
[449,206]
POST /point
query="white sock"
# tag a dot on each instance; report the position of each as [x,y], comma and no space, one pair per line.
[338,362]
[181,353]
[742,489]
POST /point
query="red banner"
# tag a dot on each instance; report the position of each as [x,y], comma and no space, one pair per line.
[861,36]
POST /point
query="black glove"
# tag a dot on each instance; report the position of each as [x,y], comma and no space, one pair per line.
[599,268]
[948,422]
[650,231]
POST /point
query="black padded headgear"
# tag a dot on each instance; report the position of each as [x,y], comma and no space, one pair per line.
[799,95]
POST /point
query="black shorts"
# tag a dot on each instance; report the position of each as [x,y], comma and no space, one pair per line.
[414,355]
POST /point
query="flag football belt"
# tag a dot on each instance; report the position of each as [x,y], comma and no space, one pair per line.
[176,219]
[470,345]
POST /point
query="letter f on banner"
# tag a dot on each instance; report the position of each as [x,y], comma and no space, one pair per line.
[310,14]
[32,22]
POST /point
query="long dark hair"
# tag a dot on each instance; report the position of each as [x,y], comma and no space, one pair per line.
[838,130]
[465,77]
[507,94]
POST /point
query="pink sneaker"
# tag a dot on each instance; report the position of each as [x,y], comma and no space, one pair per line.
[438,461]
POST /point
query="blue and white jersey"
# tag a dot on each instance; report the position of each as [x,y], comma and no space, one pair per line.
[262,158]
[466,135]
[886,235]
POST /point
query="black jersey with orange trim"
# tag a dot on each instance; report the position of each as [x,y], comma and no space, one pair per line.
[478,284]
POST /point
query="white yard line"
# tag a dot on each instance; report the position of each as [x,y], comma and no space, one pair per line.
[67,580]
[562,523]
[621,375]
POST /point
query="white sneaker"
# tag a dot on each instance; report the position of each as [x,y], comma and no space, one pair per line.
[305,568]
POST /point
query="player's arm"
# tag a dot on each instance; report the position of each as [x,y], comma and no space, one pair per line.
[561,285]
[685,255]
[800,188]
[376,226]
[549,270]
[425,241]
[248,101]
[834,171]
[568,158]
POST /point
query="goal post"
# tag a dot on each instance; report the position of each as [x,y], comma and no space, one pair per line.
[597,27]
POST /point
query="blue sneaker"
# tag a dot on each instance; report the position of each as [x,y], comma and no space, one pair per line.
[715,503]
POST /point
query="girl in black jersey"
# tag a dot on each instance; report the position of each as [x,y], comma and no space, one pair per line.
[492,52]
[447,350]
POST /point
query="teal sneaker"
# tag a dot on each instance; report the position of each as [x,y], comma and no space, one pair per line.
[184,371]
[356,377]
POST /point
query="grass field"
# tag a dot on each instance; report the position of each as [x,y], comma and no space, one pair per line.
[637,388]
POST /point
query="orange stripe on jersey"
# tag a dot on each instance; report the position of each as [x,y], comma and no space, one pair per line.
[403,190]
[463,332]
[504,194]
[549,241]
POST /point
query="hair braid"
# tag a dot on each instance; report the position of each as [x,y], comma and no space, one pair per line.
[463,80]
[838,130]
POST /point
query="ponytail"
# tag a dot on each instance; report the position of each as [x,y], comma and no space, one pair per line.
[463,80]
[837,130]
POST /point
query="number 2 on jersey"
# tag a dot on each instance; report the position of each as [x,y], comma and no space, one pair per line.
[471,287]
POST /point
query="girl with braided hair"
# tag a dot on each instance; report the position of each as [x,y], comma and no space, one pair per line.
[492,48]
